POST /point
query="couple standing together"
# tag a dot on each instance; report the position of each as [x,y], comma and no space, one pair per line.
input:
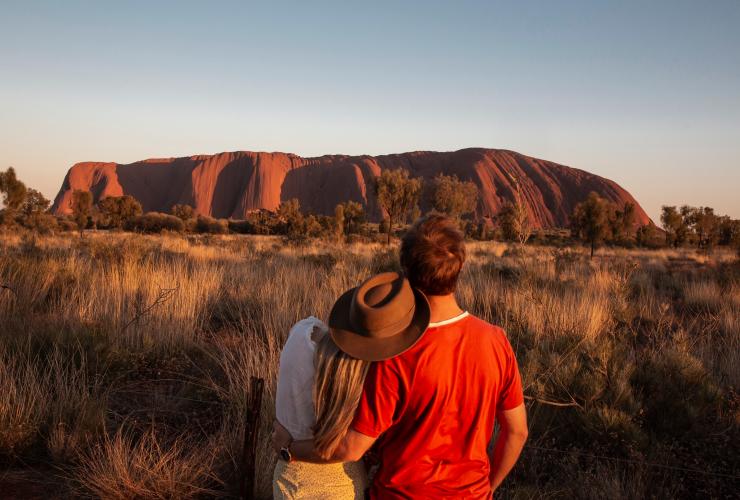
[403,375]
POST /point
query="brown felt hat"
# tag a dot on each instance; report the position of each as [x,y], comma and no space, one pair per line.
[379,319]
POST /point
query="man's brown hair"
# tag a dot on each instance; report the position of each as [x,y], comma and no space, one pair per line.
[432,254]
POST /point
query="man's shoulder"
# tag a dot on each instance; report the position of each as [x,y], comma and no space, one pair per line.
[479,324]
[496,336]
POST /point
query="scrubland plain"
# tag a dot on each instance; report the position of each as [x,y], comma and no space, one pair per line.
[125,360]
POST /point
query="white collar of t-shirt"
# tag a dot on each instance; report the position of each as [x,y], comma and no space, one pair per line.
[460,316]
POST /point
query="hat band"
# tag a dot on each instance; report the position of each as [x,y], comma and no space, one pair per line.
[389,330]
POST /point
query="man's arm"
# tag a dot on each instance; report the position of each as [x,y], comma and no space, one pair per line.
[351,448]
[509,444]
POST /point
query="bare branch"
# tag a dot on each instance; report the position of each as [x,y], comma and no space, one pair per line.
[163,296]
[554,403]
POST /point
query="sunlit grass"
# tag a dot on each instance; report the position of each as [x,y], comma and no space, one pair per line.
[118,350]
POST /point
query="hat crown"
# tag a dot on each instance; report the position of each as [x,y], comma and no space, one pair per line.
[379,295]
[381,318]
[383,305]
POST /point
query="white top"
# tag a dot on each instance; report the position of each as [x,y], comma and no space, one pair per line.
[460,316]
[294,407]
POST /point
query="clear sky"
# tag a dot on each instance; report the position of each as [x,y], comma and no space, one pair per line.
[644,93]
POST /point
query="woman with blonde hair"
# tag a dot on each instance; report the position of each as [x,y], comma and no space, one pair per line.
[321,377]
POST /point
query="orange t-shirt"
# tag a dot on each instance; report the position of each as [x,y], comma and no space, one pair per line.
[434,408]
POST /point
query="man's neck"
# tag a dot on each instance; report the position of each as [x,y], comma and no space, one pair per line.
[443,307]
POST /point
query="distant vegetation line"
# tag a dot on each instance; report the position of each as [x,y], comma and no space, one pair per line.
[594,221]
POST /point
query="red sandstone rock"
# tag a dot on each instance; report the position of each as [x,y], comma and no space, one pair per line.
[231,184]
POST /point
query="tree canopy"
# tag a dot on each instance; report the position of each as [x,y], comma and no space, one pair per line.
[349,217]
[397,194]
[13,190]
[34,203]
[590,220]
[183,212]
[118,210]
[82,202]
[451,196]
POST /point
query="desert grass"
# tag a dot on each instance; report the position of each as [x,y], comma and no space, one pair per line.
[48,396]
[125,360]
[129,466]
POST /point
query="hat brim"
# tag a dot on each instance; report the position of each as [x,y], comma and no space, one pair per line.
[376,348]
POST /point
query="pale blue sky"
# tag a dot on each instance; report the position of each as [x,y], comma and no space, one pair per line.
[644,93]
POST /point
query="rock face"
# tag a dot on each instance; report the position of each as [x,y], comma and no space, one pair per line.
[229,185]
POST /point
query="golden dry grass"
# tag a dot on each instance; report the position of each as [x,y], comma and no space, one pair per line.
[126,359]
[126,466]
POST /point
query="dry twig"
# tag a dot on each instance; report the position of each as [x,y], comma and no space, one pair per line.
[163,296]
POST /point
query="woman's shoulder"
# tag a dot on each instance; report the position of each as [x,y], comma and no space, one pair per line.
[310,330]
[298,351]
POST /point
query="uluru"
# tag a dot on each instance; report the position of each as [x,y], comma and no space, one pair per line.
[231,184]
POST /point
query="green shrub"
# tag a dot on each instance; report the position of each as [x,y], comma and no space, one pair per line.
[65,224]
[210,225]
[155,222]
[241,227]
[677,393]
[41,222]
[183,212]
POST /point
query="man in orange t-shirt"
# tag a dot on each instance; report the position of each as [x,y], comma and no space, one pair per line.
[432,408]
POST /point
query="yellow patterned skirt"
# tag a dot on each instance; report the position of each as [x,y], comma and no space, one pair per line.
[319,481]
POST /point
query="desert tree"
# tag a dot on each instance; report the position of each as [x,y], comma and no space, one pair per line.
[290,218]
[686,232]
[82,203]
[311,226]
[397,194]
[183,212]
[349,218]
[35,213]
[34,203]
[257,222]
[449,195]
[119,210]
[14,193]
[729,230]
[622,222]
[513,218]
[521,220]
[705,225]
[354,217]
[25,205]
[514,222]
[289,209]
[673,225]
[645,235]
[506,219]
[590,220]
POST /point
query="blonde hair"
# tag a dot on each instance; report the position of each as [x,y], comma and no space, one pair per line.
[336,393]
